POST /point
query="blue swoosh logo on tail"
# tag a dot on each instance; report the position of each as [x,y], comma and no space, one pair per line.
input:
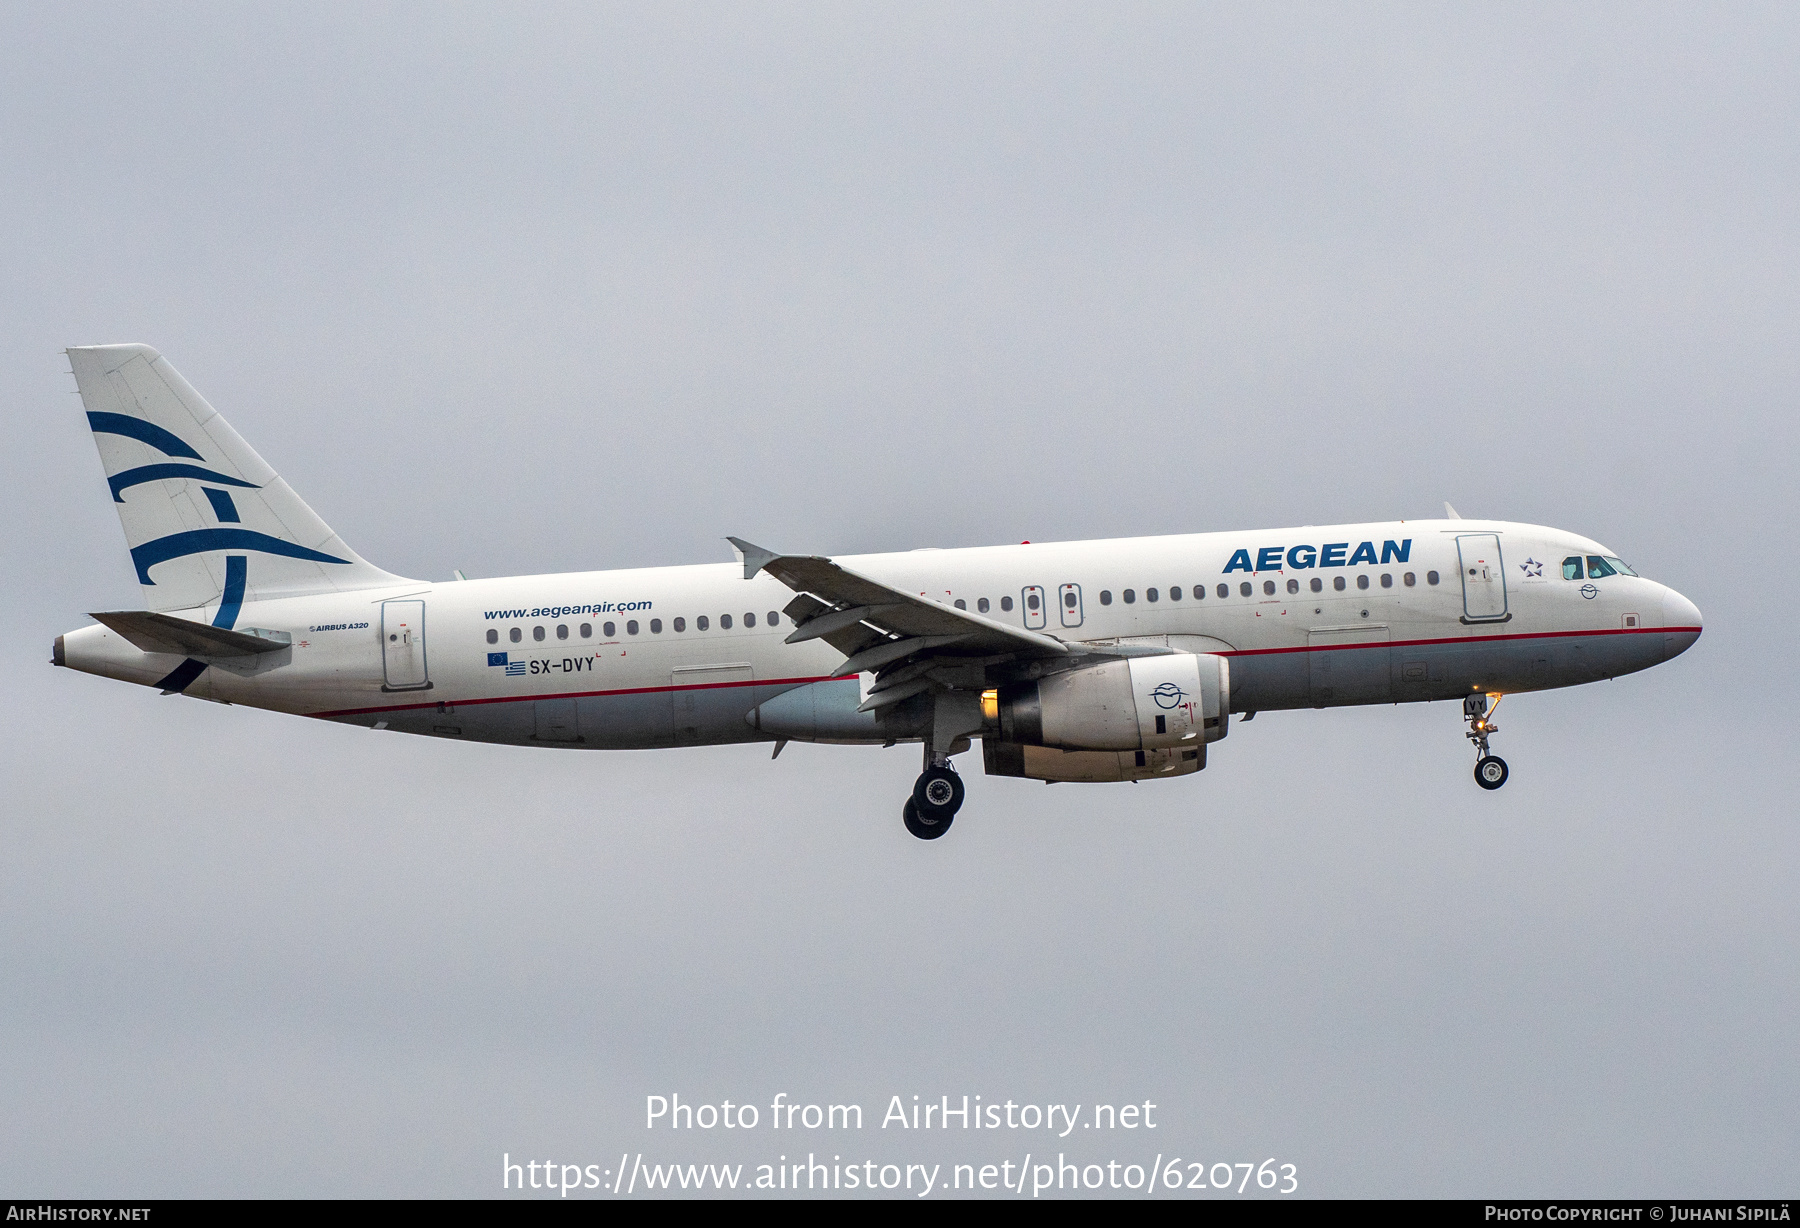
[144,432]
[198,541]
[157,473]
[231,600]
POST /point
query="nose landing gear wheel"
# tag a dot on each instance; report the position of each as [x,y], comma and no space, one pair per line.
[923,828]
[1490,770]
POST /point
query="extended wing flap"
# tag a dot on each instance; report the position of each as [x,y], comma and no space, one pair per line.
[849,640]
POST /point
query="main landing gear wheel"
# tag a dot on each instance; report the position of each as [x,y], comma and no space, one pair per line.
[923,828]
[936,797]
[938,793]
[1490,772]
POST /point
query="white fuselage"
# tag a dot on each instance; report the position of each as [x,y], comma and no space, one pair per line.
[596,659]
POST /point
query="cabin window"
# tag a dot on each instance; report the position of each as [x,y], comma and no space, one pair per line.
[1006,603]
[1069,599]
[609,630]
[1409,579]
[537,633]
[1106,596]
[702,623]
[1317,584]
[1130,596]
[562,631]
[1293,586]
[1431,577]
[960,604]
[1031,601]
[981,605]
[775,619]
[493,636]
[1362,582]
[680,624]
[656,626]
[1337,583]
[749,620]
[1224,590]
[1175,592]
[1244,589]
[587,631]
[1268,588]
[1199,592]
[1151,594]
[1387,581]
[725,622]
[631,626]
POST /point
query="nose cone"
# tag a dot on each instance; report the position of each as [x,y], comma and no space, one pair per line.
[1681,624]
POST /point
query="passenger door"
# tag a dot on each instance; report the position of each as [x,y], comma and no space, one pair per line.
[1483,577]
[403,646]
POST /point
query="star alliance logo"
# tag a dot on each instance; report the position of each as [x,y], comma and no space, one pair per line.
[1532,568]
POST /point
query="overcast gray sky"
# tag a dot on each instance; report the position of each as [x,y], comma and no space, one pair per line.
[535,288]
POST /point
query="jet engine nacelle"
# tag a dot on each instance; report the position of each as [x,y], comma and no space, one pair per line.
[1142,703]
[1125,720]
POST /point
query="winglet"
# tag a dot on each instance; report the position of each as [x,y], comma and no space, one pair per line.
[755,557]
[1451,512]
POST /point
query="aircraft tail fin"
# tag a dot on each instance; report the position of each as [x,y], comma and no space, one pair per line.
[207,521]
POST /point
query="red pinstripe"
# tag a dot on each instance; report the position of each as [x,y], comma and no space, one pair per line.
[1236,652]
[518,699]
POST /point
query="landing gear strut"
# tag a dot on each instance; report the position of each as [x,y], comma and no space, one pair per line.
[1490,770]
[936,797]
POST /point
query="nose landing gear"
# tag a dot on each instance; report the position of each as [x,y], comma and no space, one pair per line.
[1490,770]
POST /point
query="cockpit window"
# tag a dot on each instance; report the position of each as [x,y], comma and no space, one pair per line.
[1597,567]
[1618,565]
[1572,567]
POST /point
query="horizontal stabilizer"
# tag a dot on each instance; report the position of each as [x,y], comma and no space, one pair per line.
[154,632]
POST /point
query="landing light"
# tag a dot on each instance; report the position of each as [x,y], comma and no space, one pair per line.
[990,705]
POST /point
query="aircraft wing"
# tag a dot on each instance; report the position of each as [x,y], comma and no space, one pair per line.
[904,638]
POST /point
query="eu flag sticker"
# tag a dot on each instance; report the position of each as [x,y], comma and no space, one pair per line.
[496,658]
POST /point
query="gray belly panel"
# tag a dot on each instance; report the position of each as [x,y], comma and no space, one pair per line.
[1410,673]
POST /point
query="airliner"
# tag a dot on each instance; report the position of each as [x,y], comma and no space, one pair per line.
[1087,661]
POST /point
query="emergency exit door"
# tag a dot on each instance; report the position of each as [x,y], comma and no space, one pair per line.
[403,646]
[1035,612]
[1068,601]
[1483,577]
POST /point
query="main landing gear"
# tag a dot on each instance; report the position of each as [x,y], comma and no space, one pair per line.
[936,797]
[1490,770]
